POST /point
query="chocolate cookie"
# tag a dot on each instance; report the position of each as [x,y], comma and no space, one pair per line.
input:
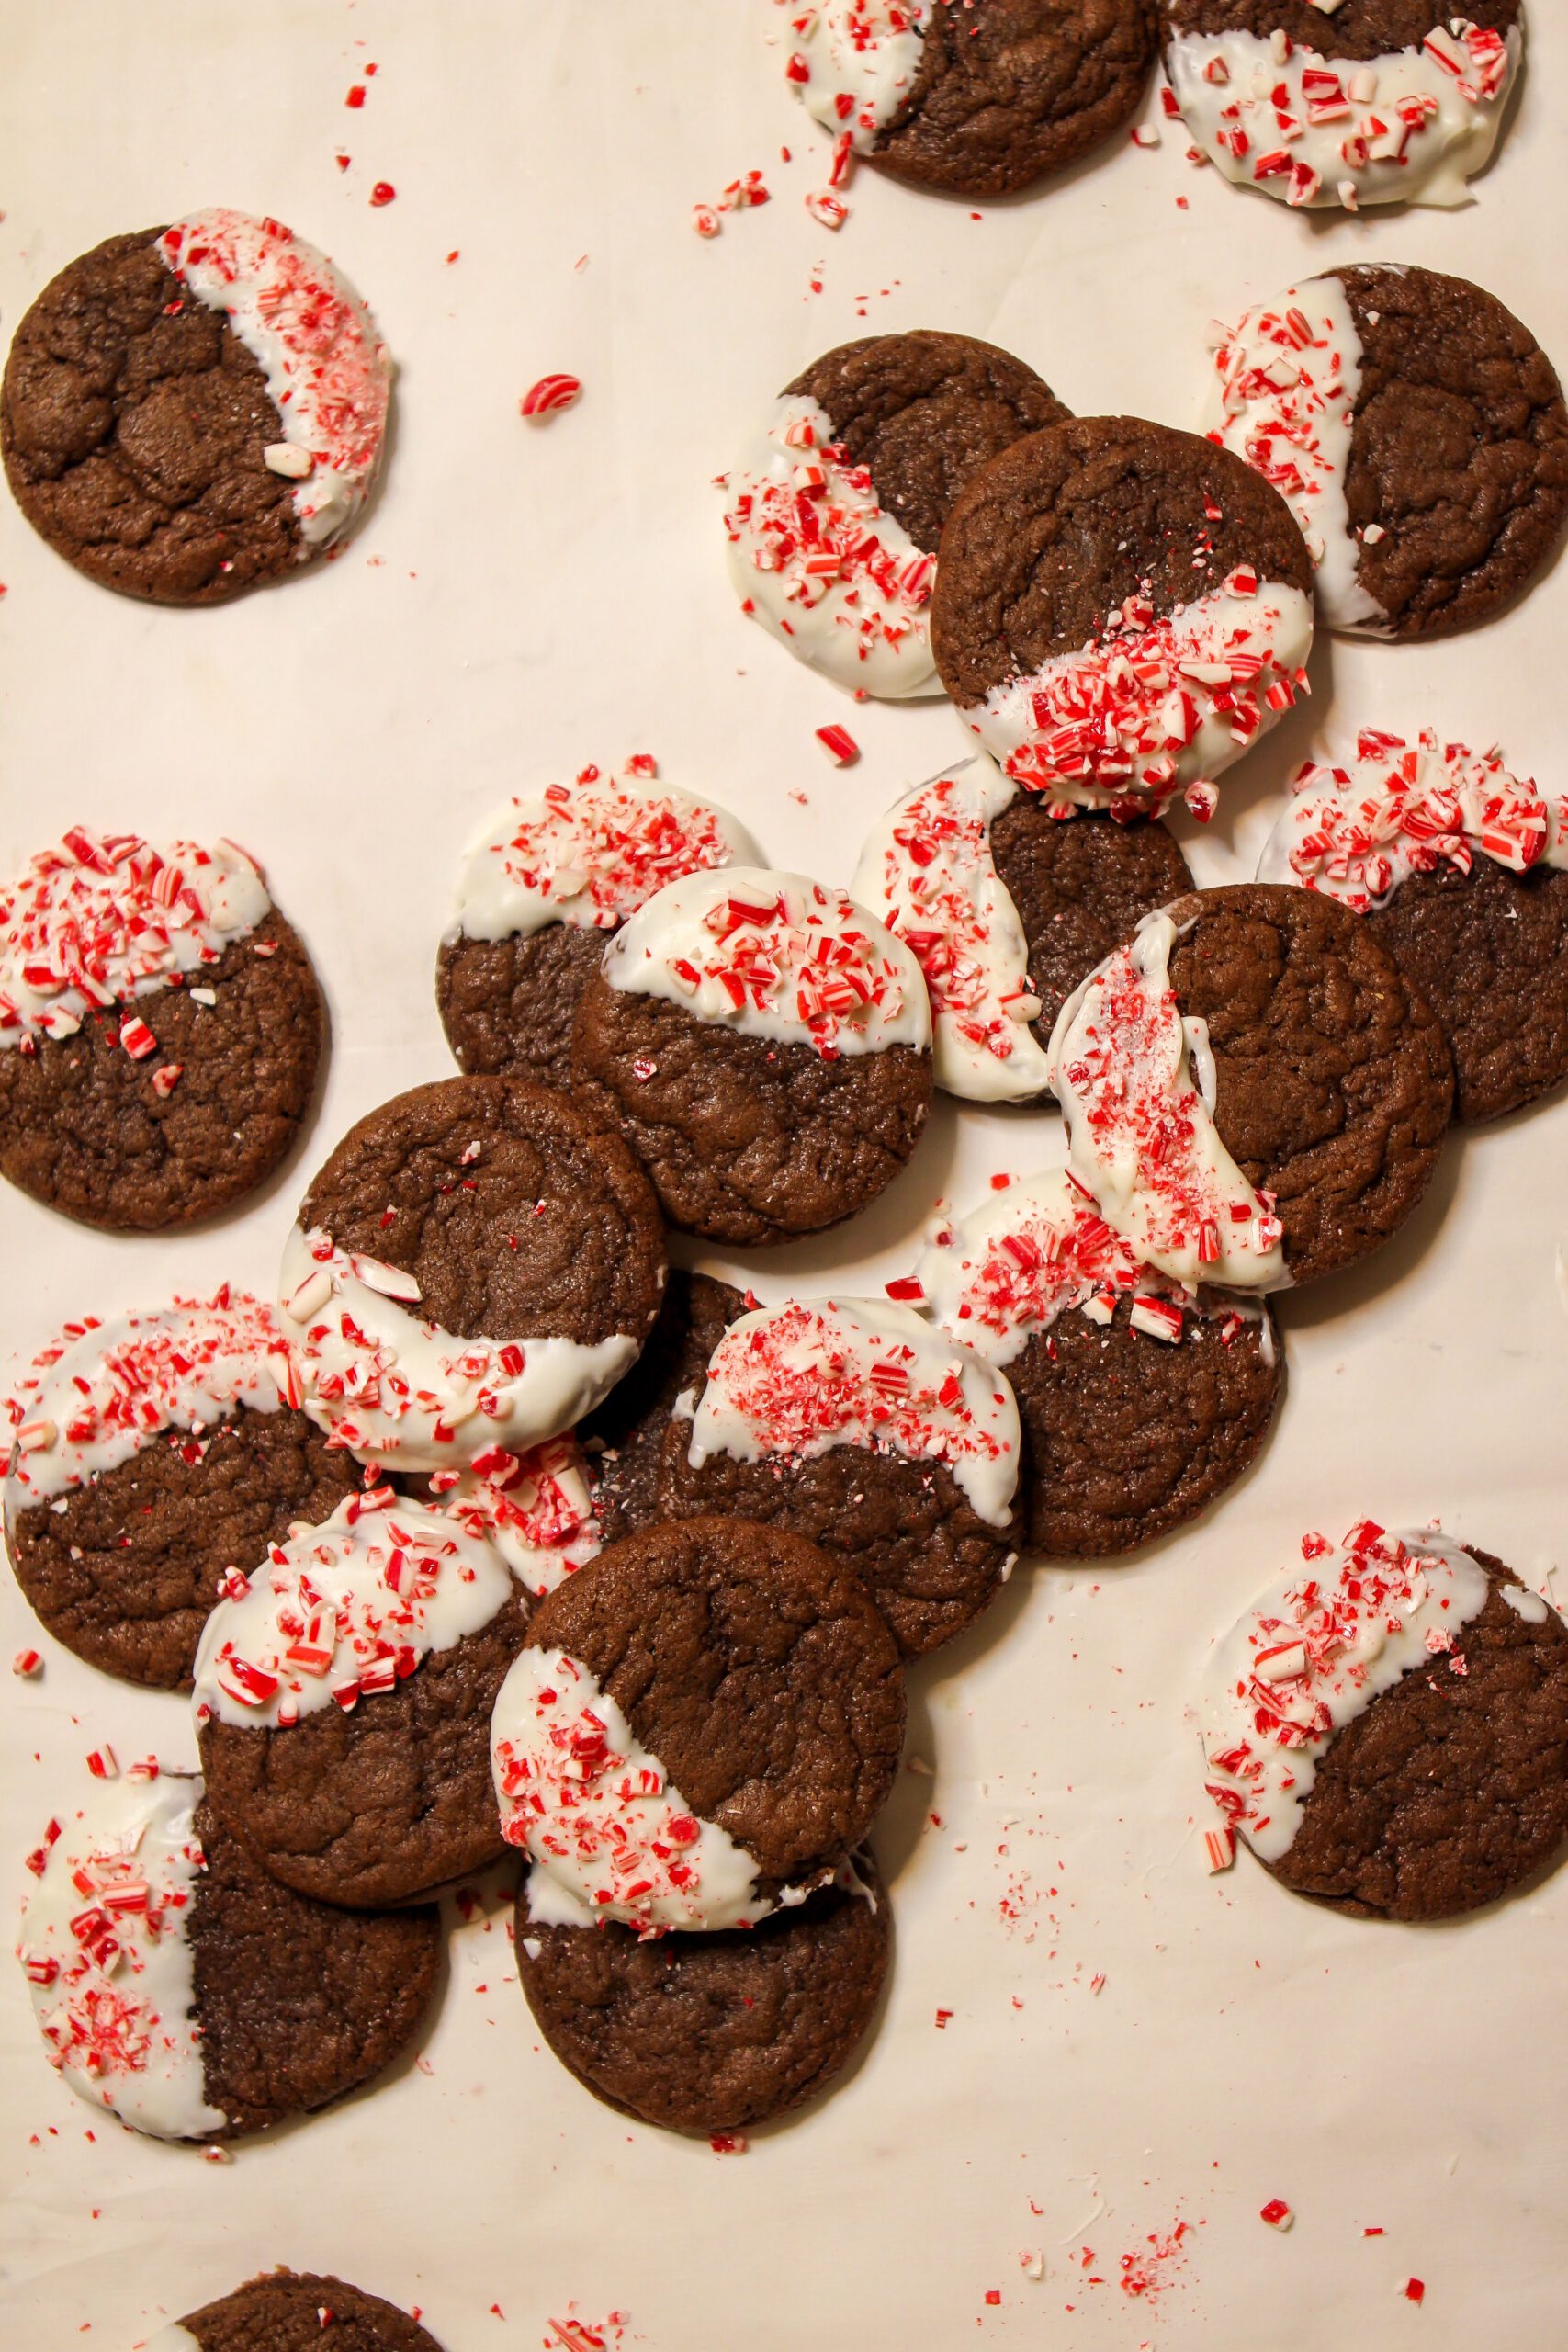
[343,1704]
[1008,908]
[1288,1135]
[623,1437]
[543,886]
[1461,872]
[1363,102]
[189,410]
[155,1453]
[835,511]
[525,1236]
[160,1031]
[713,2032]
[768,1044]
[1119,611]
[1387,1727]
[701,1725]
[1140,1401]
[974,97]
[287,2310]
[1419,432]
[851,1421]
[181,1988]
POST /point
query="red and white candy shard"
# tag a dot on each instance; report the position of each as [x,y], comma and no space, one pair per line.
[1155,705]
[1135,1081]
[778,957]
[588,854]
[928,872]
[105,1948]
[106,918]
[536,1509]
[1400,808]
[344,1611]
[818,560]
[1287,379]
[1314,1651]
[103,1390]
[790,1383]
[607,1832]
[316,344]
[853,62]
[1410,127]
[395,1389]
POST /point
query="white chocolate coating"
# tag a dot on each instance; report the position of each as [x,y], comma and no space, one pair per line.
[536,1509]
[927,871]
[326,367]
[104,1946]
[861,58]
[1032,1250]
[607,1832]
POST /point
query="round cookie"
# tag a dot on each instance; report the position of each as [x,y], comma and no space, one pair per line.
[1253,1095]
[768,1044]
[978,99]
[1387,1726]
[1140,1401]
[852,1422]
[287,2310]
[1120,612]
[1461,872]
[475,1266]
[153,1455]
[713,2032]
[188,411]
[1418,430]
[543,885]
[1363,102]
[835,511]
[1008,908]
[160,1031]
[623,1437]
[342,1702]
[700,1727]
[182,1989]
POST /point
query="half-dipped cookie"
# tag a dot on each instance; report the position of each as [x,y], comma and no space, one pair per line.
[834,513]
[287,2310]
[1419,432]
[1461,870]
[153,1455]
[1120,611]
[159,1030]
[1387,1726]
[1008,908]
[189,410]
[768,1045]
[701,1725]
[180,1987]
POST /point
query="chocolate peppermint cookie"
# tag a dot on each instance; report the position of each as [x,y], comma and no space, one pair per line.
[287,2310]
[178,1987]
[543,886]
[1360,102]
[342,1702]
[1008,907]
[1120,612]
[1253,1094]
[623,1437]
[189,410]
[834,513]
[154,1455]
[1418,430]
[718,2031]
[1387,1726]
[159,1030]
[768,1044]
[475,1266]
[701,1724]
[852,1421]
[1461,872]
[1141,1400]
[972,97]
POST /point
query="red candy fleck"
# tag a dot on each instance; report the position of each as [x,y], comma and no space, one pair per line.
[550,394]
[382,193]
[840,745]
